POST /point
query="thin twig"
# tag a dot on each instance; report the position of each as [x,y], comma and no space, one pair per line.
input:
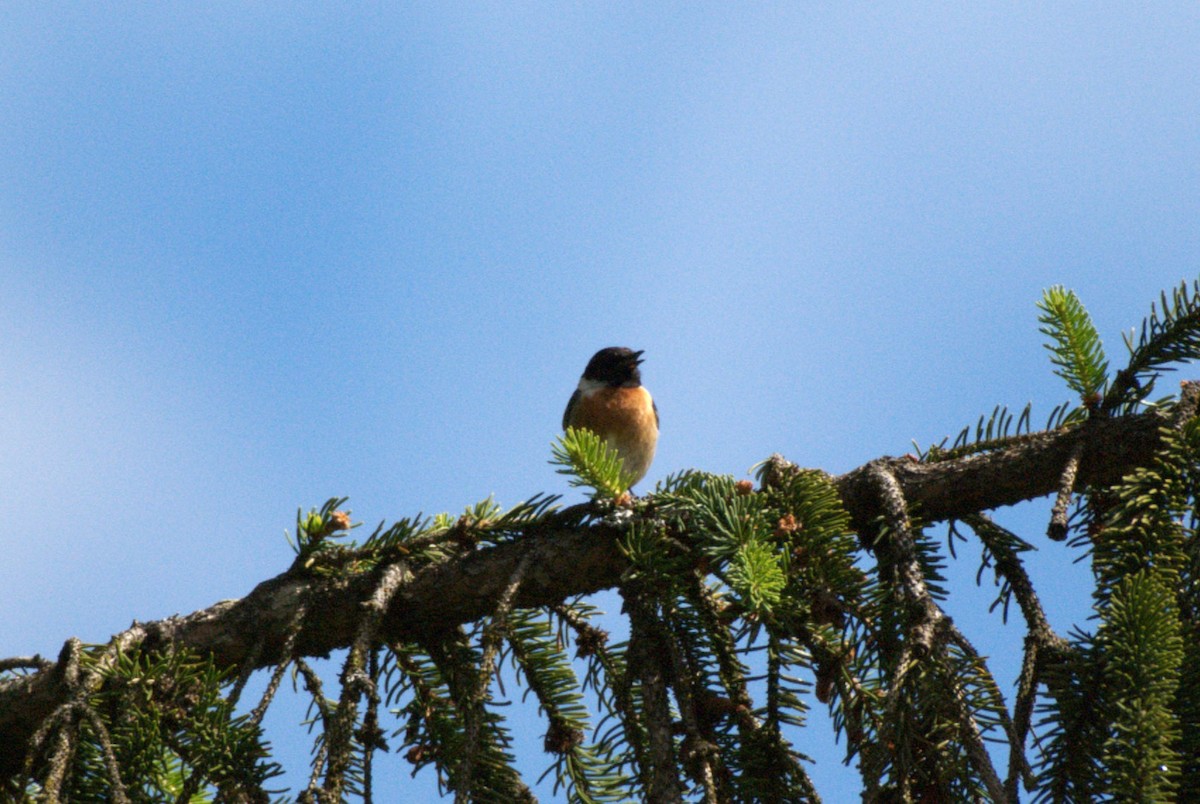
[1027,682]
[898,550]
[315,688]
[473,711]
[1040,636]
[645,664]
[372,735]
[34,662]
[111,765]
[968,725]
[60,759]
[614,679]
[289,644]
[355,682]
[698,748]
[1057,529]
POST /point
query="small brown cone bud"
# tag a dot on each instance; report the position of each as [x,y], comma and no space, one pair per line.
[787,525]
[824,688]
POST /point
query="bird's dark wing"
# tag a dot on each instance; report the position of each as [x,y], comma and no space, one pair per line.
[654,405]
[570,406]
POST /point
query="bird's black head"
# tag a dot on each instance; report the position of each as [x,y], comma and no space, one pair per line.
[615,366]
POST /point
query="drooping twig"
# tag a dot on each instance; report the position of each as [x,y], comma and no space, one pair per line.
[612,686]
[1040,641]
[473,711]
[111,765]
[926,620]
[60,758]
[260,710]
[1012,569]
[698,751]
[192,783]
[316,690]
[82,684]
[967,724]
[372,734]
[645,664]
[355,682]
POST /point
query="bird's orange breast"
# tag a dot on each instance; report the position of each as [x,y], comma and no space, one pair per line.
[625,418]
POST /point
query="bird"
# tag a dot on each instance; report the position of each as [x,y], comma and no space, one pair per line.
[611,401]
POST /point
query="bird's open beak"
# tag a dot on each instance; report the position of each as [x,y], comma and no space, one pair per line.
[637,357]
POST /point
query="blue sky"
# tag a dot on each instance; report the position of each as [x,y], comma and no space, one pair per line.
[258,255]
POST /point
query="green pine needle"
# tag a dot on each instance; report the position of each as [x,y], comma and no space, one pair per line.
[1171,334]
[756,577]
[1075,345]
[591,462]
[1142,637]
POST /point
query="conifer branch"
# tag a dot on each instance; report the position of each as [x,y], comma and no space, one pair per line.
[355,682]
[574,557]
[289,644]
[1009,566]
[968,724]
[111,765]
[1170,334]
[1041,642]
[316,690]
[371,735]
[926,629]
[60,755]
[24,663]
[730,670]
[645,665]
[834,577]
[473,714]
[697,753]
[609,677]
[1029,468]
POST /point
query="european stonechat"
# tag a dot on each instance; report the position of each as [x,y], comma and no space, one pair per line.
[612,403]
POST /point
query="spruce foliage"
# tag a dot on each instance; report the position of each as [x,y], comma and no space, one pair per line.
[746,605]
[1074,344]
